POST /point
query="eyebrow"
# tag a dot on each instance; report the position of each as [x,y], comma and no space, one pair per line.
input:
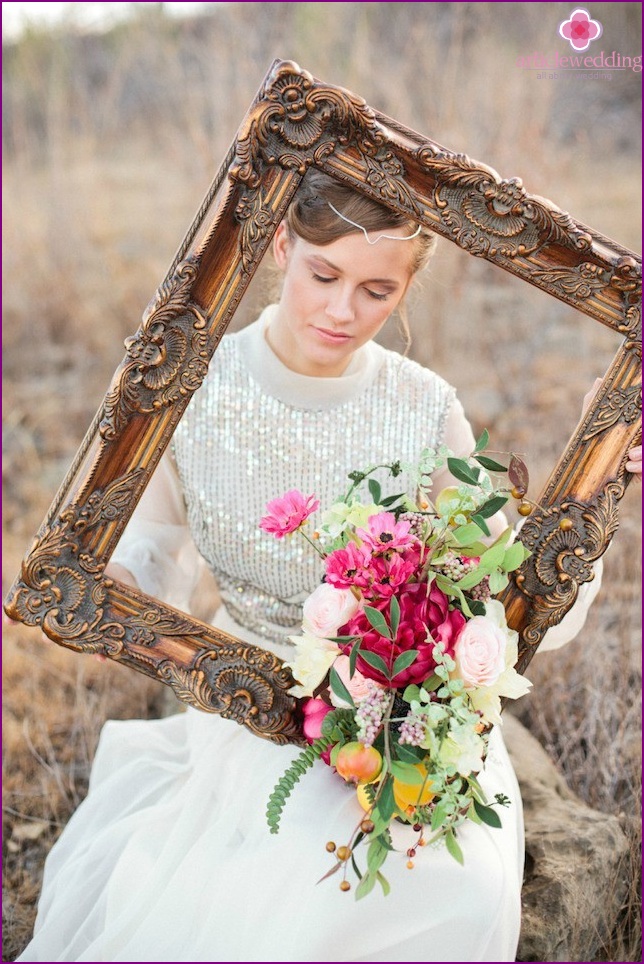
[388,282]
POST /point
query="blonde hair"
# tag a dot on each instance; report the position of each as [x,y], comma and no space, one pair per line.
[311,217]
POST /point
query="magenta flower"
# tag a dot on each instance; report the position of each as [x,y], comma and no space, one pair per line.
[349,567]
[314,711]
[286,514]
[422,615]
[383,533]
[580,29]
[387,575]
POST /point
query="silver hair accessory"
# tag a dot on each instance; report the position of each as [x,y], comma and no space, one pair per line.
[389,237]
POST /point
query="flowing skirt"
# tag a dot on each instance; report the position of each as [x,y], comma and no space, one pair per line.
[170,858]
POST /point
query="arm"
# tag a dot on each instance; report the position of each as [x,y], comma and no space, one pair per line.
[156,552]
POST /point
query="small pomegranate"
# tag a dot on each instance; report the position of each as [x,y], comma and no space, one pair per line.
[357,763]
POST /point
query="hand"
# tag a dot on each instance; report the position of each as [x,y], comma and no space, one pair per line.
[634,463]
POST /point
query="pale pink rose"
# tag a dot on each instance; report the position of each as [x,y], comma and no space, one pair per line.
[286,514]
[328,608]
[358,685]
[480,652]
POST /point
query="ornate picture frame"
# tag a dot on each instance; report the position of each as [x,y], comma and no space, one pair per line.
[297,122]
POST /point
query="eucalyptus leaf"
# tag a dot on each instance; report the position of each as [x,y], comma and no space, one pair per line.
[515,556]
[411,692]
[466,534]
[498,582]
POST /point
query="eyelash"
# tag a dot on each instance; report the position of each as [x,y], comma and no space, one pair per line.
[372,294]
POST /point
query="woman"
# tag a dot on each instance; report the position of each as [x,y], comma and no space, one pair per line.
[170,858]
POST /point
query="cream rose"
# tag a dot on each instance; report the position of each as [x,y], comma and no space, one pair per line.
[328,608]
[479,652]
[313,657]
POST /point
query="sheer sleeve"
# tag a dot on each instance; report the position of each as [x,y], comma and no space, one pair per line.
[459,438]
[156,546]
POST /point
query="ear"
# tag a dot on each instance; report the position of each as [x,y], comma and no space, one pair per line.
[281,246]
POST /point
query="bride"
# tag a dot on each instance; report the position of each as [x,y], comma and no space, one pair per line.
[169,858]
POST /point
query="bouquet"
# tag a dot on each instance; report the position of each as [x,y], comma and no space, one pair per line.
[404,655]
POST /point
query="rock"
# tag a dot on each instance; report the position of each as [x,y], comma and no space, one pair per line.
[574,884]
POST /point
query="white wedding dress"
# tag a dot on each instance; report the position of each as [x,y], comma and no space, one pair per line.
[170,858]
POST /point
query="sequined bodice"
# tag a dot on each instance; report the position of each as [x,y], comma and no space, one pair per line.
[244,441]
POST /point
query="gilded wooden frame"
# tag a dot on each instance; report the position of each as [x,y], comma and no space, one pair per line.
[294,123]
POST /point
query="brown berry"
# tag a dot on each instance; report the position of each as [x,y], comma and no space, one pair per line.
[410,865]
[345,885]
[344,853]
[367,826]
[330,846]
[566,525]
[411,852]
[517,492]
[524,508]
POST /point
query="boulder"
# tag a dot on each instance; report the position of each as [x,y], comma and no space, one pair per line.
[574,880]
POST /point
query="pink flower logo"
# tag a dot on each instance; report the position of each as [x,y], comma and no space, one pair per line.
[580,29]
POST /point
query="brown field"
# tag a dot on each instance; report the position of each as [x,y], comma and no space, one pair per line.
[110,142]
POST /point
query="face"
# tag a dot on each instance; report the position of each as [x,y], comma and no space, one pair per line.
[335,297]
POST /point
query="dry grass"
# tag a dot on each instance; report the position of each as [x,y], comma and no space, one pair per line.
[110,143]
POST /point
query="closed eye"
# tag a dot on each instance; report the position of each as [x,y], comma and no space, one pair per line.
[324,280]
[377,295]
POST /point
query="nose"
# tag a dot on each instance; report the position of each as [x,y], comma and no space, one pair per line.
[339,306]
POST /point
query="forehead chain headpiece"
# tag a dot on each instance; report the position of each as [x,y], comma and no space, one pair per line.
[389,237]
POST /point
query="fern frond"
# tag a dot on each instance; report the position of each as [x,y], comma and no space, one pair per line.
[287,781]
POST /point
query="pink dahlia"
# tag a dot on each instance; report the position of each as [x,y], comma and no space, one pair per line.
[383,533]
[286,514]
[348,567]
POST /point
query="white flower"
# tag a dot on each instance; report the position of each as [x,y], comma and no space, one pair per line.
[313,657]
[487,699]
[463,748]
[341,515]
[327,609]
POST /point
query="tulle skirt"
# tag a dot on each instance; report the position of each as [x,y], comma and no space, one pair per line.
[170,858]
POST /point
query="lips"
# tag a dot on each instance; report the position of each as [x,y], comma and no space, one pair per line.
[332,337]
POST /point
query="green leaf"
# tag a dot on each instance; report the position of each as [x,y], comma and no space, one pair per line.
[386,806]
[404,661]
[467,533]
[384,883]
[514,557]
[375,490]
[366,885]
[490,464]
[339,688]
[375,661]
[355,649]
[462,471]
[487,814]
[498,582]
[394,615]
[491,558]
[477,607]
[483,441]
[385,503]
[482,524]
[378,621]
[469,580]
[407,773]
[411,692]
[286,783]
[492,506]
[409,754]
[376,854]
[453,847]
